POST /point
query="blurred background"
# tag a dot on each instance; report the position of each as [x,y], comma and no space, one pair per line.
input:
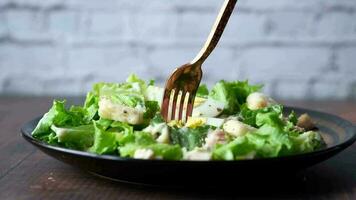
[300,49]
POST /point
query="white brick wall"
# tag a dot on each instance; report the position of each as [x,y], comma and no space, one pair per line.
[298,48]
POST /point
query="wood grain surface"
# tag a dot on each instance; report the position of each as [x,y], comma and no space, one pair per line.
[27,173]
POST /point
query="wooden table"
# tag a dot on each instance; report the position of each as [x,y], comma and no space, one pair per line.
[27,173]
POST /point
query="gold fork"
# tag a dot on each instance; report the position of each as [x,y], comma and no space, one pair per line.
[182,85]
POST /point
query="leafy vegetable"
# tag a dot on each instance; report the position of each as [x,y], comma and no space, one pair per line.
[157,119]
[91,105]
[292,117]
[189,137]
[130,93]
[239,147]
[82,128]
[60,117]
[144,140]
[151,109]
[122,127]
[105,141]
[249,116]
[202,91]
[109,135]
[233,94]
[274,138]
[80,137]
[164,151]
[306,142]
[50,138]
[124,94]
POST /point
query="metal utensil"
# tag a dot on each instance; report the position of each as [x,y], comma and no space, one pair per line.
[182,85]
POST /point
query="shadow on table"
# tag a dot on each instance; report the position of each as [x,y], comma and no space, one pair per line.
[309,183]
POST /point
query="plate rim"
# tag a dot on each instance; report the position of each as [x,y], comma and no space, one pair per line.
[348,142]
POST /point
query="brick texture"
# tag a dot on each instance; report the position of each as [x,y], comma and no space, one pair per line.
[300,49]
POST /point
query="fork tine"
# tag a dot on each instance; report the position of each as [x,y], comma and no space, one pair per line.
[165,104]
[190,105]
[181,105]
[174,104]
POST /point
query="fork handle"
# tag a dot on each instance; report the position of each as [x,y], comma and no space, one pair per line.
[216,31]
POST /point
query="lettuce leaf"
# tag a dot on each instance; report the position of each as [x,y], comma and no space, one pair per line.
[109,135]
[233,94]
[152,108]
[124,94]
[164,151]
[274,137]
[81,127]
[131,93]
[239,147]
[189,137]
[142,140]
[80,137]
[203,91]
[105,141]
[91,105]
[249,116]
[59,116]
[272,131]
[307,142]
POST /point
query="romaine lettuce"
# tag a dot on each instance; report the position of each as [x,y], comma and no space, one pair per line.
[233,94]
[79,137]
[189,137]
[105,141]
[86,128]
[59,116]
[273,138]
[144,140]
[202,91]
[249,116]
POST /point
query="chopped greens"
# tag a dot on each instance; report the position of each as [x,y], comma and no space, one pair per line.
[124,119]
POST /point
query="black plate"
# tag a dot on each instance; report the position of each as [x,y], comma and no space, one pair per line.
[337,132]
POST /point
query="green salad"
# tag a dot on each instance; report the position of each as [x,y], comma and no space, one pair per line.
[232,121]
